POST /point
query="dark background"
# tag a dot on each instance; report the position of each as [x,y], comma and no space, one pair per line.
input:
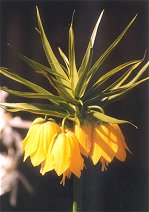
[124,187]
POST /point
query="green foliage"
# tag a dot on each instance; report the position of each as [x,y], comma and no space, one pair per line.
[74,96]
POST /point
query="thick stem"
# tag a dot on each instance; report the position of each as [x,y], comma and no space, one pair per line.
[77,195]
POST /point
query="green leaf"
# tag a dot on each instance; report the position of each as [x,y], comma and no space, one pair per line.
[122,79]
[106,76]
[125,76]
[55,65]
[139,74]
[38,67]
[67,97]
[86,62]
[82,83]
[23,81]
[114,89]
[97,64]
[118,94]
[66,61]
[71,53]
[111,96]
[67,107]
[53,98]
[109,50]
[59,84]
[45,109]
[90,46]
[130,86]
[109,119]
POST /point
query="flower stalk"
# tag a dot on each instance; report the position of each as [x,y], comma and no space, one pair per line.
[77,194]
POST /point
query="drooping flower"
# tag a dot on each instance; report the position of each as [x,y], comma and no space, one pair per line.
[122,146]
[107,142]
[37,140]
[64,156]
[84,135]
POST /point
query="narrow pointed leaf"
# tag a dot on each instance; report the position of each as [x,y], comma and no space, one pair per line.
[109,119]
[109,97]
[86,62]
[34,108]
[23,81]
[130,86]
[121,92]
[97,64]
[38,67]
[31,95]
[123,78]
[60,84]
[55,65]
[90,46]
[65,60]
[109,74]
[72,63]
[139,74]
[111,47]
[82,83]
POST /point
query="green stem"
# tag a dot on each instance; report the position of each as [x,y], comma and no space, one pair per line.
[77,195]
[96,107]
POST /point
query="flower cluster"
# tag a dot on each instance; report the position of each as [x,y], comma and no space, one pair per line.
[62,150]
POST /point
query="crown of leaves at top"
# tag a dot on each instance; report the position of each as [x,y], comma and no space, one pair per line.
[74,95]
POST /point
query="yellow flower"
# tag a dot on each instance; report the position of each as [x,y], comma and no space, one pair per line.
[107,142]
[64,156]
[84,135]
[37,140]
[122,146]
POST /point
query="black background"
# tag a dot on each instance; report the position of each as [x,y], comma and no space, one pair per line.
[124,187]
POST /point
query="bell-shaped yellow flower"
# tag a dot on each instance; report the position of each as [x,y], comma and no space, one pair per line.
[122,146]
[107,142]
[84,135]
[64,156]
[37,140]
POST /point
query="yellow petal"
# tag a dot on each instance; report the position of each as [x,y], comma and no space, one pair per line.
[24,142]
[32,142]
[84,134]
[39,155]
[50,129]
[61,154]
[48,164]
[121,152]
[77,162]
[28,136]
[38,120]
[122,137]
[104,143]
[96,153]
